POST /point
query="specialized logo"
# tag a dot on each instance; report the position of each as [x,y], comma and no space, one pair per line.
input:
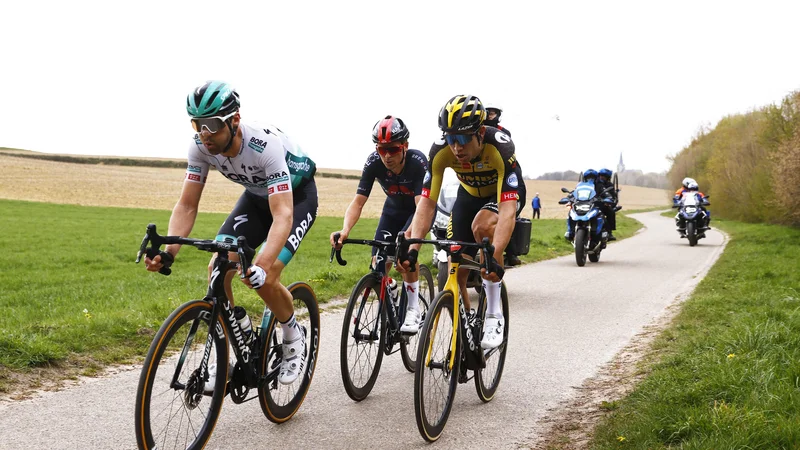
[297,235]
[237,333]
[386,234]
[467,328]
[257,144]
[240,220]
[502,137]
[511,180]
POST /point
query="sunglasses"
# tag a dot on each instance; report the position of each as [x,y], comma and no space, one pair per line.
[212,124]
[389,150]
[462,139]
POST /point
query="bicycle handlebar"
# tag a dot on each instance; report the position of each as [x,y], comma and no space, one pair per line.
[151,236]
[450,247]
[338,251]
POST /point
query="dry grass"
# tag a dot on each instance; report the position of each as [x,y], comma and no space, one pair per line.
[159,188]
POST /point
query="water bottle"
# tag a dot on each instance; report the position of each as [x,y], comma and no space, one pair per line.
[394,291]
[244,323]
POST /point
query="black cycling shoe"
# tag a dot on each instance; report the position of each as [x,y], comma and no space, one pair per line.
[512,260]
[611,237]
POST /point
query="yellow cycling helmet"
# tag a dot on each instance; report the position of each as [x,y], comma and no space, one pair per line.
[462,114]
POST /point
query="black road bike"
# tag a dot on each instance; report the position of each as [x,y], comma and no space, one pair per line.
[373,318]
[450,342]
[174,407]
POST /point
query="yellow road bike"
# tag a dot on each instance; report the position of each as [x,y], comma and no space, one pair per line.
[450,343]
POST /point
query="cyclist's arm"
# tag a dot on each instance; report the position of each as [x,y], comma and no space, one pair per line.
[282,208]
[184,213]
[423,217]
[353,213]
[505,226]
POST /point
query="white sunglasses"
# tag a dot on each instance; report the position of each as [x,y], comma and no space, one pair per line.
[212,124]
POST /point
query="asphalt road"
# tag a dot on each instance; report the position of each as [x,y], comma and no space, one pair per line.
[563,328]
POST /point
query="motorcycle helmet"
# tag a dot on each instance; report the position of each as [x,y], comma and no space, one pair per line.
[604,173]
[591,173]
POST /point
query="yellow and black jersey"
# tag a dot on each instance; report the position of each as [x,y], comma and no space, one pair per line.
[492,173]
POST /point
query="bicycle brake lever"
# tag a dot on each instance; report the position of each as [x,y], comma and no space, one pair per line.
[245,253]
[146,240]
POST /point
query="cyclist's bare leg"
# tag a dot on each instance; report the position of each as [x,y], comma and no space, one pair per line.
[275,295]
[228,276]
[483,225]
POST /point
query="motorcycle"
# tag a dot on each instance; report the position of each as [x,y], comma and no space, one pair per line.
[586,220]
[691,219]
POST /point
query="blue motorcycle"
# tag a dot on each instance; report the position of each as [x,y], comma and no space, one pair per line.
[692,219]
[585,221]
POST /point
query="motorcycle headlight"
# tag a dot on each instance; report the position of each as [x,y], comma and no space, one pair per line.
[691,210]
[583,208]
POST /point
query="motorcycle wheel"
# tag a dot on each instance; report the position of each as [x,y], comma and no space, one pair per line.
[691,233]
[580,246]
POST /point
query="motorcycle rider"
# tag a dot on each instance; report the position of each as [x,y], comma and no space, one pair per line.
[493,113]
[589,176]
[609,209]
[690,185]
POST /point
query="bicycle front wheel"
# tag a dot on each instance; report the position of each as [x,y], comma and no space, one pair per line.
[435,380]
[280,402]
[426,291]
[171,409]
[363,338]
[488,378]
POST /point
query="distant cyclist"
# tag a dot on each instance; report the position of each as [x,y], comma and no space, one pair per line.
[400,172]
[486,205]
[279,204]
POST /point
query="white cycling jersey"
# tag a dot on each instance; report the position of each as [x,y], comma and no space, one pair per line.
[268,162]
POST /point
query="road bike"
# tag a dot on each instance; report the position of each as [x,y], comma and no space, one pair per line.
[174,407]
[450,343]
[373,318]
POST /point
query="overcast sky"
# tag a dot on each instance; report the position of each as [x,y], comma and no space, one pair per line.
[580,82]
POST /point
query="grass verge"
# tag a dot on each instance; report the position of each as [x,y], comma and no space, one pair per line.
[726,374]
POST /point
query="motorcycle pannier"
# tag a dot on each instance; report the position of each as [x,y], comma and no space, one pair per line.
[520,242]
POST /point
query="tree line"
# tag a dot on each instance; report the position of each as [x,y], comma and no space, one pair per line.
[748,163]
[627,177]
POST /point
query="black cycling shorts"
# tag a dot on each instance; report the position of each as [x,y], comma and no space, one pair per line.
[466,207]
[252,218]
[392,221]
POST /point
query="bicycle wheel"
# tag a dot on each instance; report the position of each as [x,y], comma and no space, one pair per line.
[280,402]
[427,291]
[488,378]
[435,381]
[171,410]
[363,338]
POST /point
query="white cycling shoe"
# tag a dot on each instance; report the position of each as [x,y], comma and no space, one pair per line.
[493,329]
[294,359]
[208,388]
[413,321]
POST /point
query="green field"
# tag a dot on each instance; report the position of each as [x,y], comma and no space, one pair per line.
[726,374]
[71,293]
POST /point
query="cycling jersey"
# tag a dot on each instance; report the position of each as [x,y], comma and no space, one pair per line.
[268,162]
[400,188]
[491,173]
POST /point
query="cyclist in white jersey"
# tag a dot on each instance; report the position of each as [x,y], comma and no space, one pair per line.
[279,203]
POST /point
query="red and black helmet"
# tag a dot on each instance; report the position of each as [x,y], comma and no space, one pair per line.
[389,129]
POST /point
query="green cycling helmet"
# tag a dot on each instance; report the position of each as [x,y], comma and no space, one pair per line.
[214,98]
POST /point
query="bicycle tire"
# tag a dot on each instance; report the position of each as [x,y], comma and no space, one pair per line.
[279,403]
[364,306]
[185,354]
[427,292]
[496,362]
[431,430]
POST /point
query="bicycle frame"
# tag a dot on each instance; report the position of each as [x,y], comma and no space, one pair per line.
[221,305]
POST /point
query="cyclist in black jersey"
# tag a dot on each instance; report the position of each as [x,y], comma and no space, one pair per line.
[400,172]
[486,204]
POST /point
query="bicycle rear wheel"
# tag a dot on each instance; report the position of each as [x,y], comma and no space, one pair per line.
[363,338]
[427,291]
[488,378]
[435,381]
[280,402]
[171,409]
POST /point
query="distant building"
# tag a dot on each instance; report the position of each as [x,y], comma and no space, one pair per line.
[620,165]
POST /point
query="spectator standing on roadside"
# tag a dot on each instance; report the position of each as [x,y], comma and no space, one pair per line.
[536,204]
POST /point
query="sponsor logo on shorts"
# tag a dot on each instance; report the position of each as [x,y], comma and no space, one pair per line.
[297,234]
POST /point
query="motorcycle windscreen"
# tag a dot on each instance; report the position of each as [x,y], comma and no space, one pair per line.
[584,191]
